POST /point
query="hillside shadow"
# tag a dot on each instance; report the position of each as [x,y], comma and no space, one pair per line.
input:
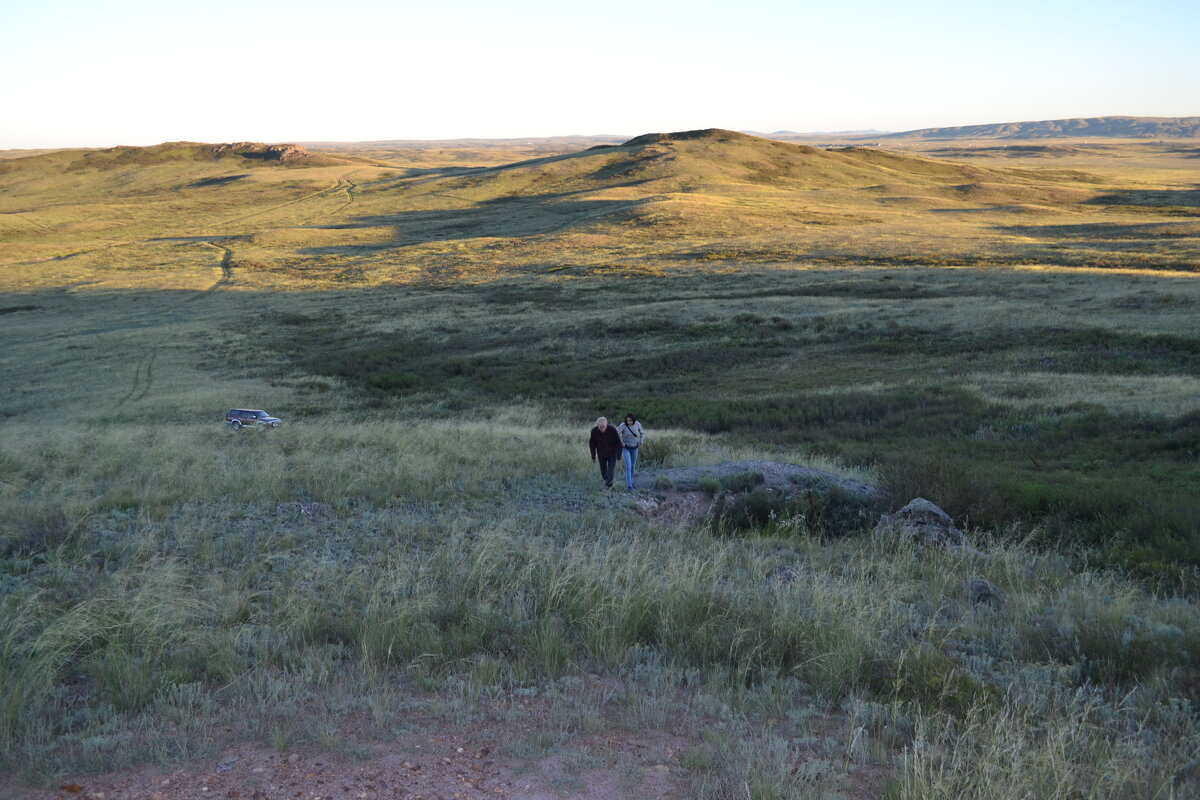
[1153,198]
[502,218]
[1103,231]
[222,180]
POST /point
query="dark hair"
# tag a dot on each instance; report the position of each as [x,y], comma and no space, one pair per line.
[631,416]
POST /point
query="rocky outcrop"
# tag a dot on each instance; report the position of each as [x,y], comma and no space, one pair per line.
[264,152]
[923,521]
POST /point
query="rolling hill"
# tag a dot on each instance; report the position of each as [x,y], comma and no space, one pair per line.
[287,216]
[421,564]
[1086,127]
[707,183]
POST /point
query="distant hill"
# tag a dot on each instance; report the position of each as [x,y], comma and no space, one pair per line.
[547,143]
[195,151]
[296,216]
[170,153]
[1098,127]
[700,183]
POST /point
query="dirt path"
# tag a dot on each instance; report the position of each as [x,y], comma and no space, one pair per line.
[519,750]
[26,218]
[143,378]
[349,188]
[226,267]
[338,186]
[442,762]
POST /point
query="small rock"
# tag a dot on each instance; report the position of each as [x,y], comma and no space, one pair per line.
[983,593]
[923,521]
[293,758]
[227,765]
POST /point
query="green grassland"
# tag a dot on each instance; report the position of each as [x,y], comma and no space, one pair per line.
[1010,335]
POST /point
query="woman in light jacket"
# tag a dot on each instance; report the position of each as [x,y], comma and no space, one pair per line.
[632,435]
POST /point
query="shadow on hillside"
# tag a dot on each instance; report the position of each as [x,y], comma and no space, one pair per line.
[1155,198]
[1103,231]
[500,218]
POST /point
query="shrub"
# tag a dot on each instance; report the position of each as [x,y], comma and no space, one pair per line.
[753,511]
[657,452]
[832,511]
[741,481]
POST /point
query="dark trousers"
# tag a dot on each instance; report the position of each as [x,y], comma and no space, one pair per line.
[607,465]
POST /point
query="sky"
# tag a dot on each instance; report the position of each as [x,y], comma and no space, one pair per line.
[83,73]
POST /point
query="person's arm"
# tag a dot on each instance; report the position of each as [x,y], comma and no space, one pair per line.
[641,434]
[592,443]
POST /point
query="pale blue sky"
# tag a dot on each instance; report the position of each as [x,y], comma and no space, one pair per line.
[77,73]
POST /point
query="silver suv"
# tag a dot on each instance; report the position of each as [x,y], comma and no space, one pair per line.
[240,417]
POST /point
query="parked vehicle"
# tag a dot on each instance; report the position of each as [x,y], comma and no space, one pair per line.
[237,418]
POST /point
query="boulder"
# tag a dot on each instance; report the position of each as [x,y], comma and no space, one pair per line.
[923,521]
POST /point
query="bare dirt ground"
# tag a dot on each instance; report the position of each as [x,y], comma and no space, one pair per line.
[440,762]
[523,751]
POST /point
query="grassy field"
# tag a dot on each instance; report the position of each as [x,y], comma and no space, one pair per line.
[1010,335]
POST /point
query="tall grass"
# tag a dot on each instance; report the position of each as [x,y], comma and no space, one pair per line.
[426,554]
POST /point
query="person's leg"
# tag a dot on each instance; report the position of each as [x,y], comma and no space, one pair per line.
[627,456]
[607,467]
[633,455]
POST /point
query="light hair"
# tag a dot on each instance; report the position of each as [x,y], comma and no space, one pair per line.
[601,419]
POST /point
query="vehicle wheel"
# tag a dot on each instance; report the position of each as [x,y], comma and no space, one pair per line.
[237,425]
[274,424]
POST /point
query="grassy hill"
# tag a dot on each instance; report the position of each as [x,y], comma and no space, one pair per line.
[1012,337]
[725,195]
[1085,127]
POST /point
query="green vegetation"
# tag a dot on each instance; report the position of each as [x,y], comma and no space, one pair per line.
[425,530]
[819,513]
[450,562]
[889,378]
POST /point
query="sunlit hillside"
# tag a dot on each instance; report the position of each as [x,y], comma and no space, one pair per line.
[657,201]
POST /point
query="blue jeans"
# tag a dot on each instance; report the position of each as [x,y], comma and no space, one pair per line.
[629,456]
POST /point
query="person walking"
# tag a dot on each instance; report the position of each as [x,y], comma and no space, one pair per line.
[632,435]
[605,444]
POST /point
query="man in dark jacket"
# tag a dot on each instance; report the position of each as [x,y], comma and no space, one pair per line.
[605,443]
